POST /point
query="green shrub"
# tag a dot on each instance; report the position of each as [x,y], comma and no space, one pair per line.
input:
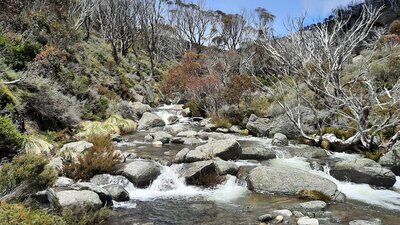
[28,172]
[18,53]
[76,216]
[11,140]
[17,214]
[99,159]
[222,122]
[6,97]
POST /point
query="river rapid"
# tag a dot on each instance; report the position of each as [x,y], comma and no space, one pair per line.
[168,200]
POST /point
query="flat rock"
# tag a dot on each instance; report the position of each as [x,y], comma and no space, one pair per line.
[288,181]
[80,199]
[257,153]
[307,221]
[150,120]
[313,205]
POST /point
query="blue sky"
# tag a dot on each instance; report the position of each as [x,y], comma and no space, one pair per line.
[316,9]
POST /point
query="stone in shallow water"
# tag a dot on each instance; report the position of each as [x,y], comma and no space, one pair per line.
[141,173]
[288,181]
[118,193]
[307,221]
[313,205]
[365,222]
[265,218]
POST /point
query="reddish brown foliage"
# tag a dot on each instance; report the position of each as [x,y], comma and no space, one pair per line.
[99,159]
[394,27]
[239,86]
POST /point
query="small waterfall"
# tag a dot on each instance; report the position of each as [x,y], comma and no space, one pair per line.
[170,185]
[168,111]
[389,199]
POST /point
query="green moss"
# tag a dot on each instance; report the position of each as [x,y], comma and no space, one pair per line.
[11,140]
[17,214]
[313,195]
[6,97]
[77,216]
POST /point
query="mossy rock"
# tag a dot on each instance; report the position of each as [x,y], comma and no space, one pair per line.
[313,195]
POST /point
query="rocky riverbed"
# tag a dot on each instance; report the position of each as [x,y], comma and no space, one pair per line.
[185,171]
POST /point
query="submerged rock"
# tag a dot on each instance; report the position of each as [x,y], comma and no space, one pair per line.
[288,181]
[141,173]
[363,171]
[365,222]
[150,120]
[313,205]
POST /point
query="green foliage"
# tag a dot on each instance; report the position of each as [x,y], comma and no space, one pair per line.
[11,140]
[18,53]
[194,107]
[28,170]
[222,122]
[17,214]
[259,105]
[77,216]
[96,110]
[99,159]
[6,97]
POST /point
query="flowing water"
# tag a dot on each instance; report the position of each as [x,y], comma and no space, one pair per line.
[168,200]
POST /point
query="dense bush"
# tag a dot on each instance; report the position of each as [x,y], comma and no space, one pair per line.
[47,106]
[17,214]
[24,176]
[17,53]
[11,140]
[238,88]
[99,159]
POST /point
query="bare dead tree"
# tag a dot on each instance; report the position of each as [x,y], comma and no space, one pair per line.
[193,24]
[84,9]
[151,18]
[317,57]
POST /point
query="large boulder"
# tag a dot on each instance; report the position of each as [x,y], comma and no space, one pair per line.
[63,182]
[257,153]
[392,159]
[141,173]
[117,192]
[225,149]
[288,181]
[225,167]
[71,150]
[150,120]
[103,194]
[80,199]
[280,140]
[194,173]
[304,151]
[363,171]
[161,136]
[181,155]
[259,127]
[281,124]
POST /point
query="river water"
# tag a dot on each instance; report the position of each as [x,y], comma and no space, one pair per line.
[168,200]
